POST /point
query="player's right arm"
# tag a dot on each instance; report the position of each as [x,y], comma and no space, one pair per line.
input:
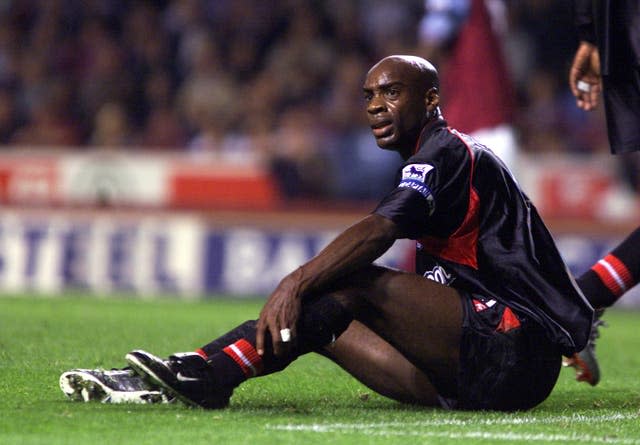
[356,247]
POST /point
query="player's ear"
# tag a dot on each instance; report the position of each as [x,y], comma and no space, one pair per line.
[432,99]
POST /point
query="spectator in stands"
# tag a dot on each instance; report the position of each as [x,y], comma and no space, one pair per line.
[49,123]
[298,161]
[302,59]
[104,76]
[540,124]
[111,127]
[9,115]
[477,92]
[164,126]
[390,27]
[208,101]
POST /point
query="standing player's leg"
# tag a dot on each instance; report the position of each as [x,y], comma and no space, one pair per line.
[603,284]
[614,274]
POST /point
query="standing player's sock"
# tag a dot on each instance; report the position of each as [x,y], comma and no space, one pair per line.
[613,275]
[322,321]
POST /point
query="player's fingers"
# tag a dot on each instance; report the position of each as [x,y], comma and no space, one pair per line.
[276,341]
[576,72]
[573,80]
[260,337]
[582,103]
[587,91]
[587,101]
[294,332]
[287,337]
[277,329]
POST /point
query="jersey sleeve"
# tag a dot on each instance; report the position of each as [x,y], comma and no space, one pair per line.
[412,202]
[431,195]
[583,20]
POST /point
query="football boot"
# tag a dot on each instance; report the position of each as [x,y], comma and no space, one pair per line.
[186,376]
[109,386]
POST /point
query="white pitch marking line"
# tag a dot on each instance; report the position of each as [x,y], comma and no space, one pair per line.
[509,437]
[483,435]
[576,418]
[382,428]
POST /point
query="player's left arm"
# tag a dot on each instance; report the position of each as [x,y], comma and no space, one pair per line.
[356,247]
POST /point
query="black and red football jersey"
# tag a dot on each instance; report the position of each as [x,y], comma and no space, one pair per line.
[477,231]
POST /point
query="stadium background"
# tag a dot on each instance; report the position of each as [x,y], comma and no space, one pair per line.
[192,148]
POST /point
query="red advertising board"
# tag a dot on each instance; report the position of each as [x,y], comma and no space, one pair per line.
[578,193]
[29,180]
[231,186]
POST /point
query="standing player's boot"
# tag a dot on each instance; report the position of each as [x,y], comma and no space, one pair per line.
[585,361]
[186,376]
[114,386]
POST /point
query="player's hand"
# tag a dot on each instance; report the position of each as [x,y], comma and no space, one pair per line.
[281,311]
[584,77]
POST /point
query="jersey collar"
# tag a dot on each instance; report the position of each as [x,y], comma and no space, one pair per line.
[429,128]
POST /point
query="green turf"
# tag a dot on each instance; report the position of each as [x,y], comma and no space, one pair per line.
[313,401]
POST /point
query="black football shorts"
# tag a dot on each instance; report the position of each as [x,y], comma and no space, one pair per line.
[622,108]
[507,363]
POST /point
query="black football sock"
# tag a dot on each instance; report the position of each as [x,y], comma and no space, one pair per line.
[322,321]
[242,331]
[613,275]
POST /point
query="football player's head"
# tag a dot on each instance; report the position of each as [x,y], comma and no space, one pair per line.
[401,94]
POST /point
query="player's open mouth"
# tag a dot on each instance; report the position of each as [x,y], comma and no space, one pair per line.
[381,129]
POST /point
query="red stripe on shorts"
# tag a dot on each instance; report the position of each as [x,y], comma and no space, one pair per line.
[508,321]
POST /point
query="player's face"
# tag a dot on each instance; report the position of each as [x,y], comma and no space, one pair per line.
[396,106]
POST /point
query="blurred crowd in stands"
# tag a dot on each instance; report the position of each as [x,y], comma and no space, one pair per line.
[274,81]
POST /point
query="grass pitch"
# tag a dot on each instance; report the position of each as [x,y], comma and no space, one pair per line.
[311,402]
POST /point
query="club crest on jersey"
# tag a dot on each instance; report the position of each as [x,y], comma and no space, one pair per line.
[416,171]
[439,275]
[481,305]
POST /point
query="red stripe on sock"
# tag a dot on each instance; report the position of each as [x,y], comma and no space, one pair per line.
[616,277]
[607,279]
[621,269]
[245,355]
[202,354]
